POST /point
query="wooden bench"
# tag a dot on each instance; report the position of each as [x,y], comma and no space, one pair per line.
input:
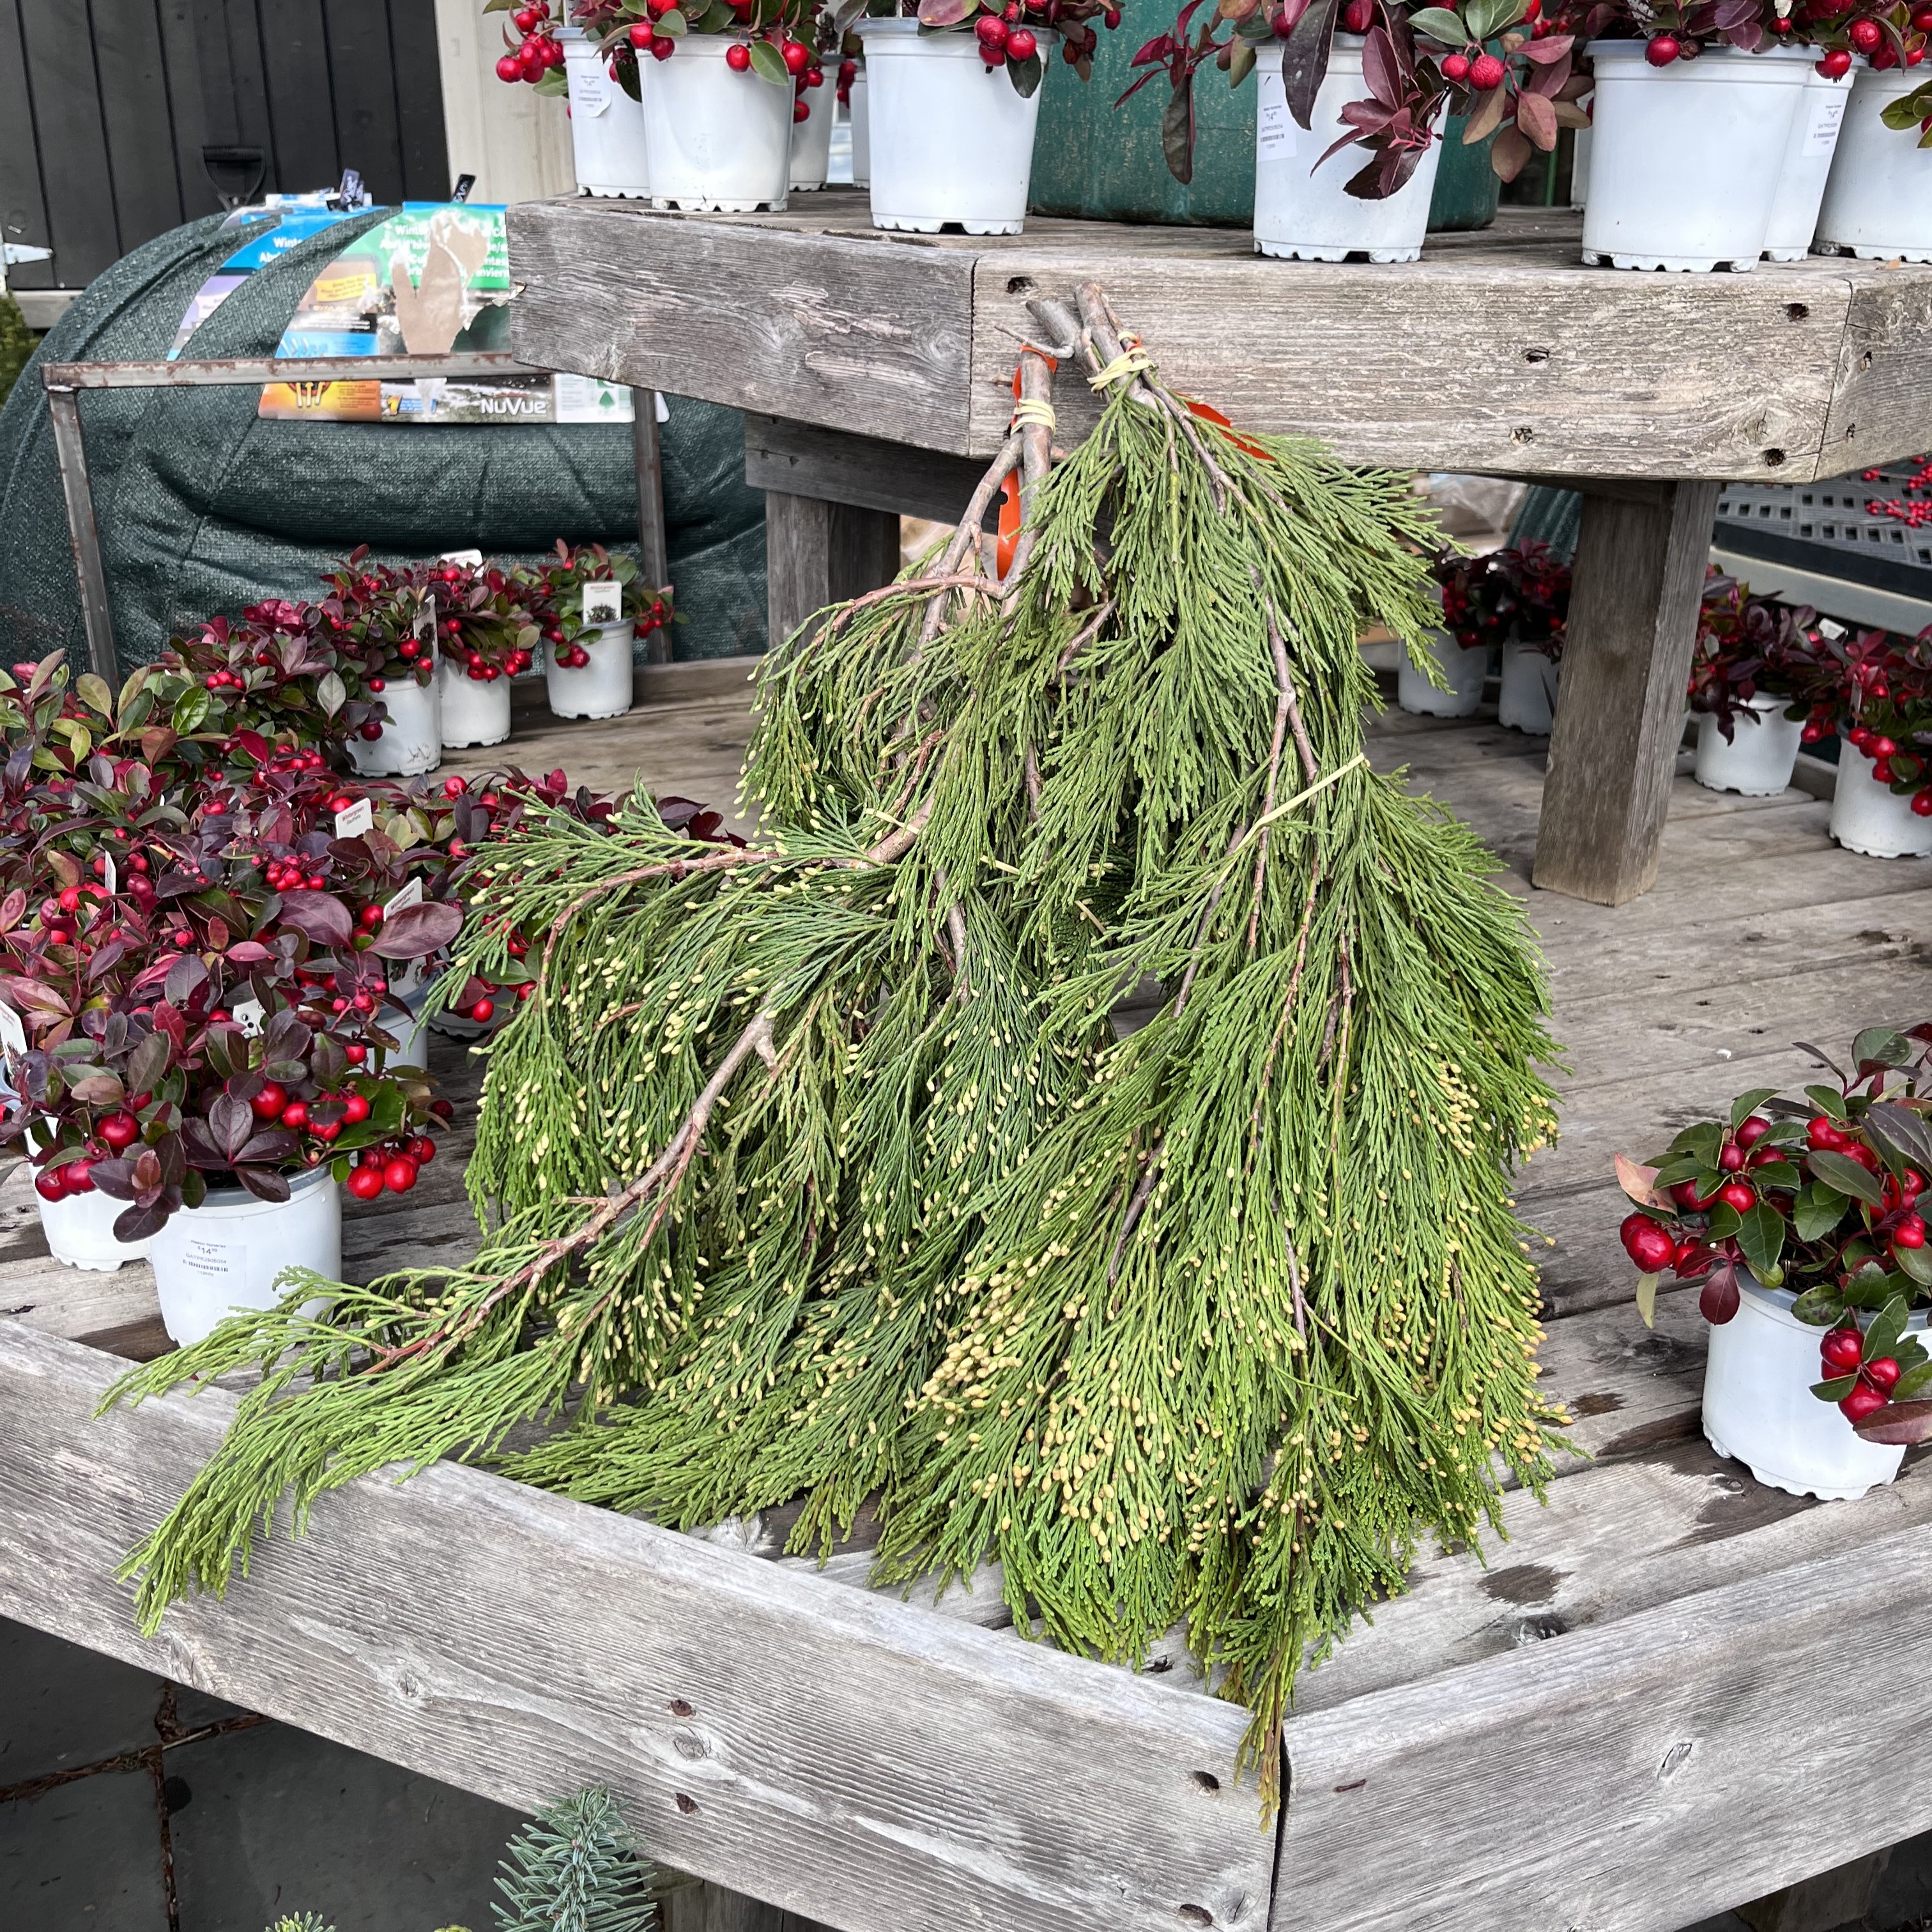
[1670,1690]
[874,368]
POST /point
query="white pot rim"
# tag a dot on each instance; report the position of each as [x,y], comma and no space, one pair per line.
[1775,1304]
[902,35]
[1771,68]
[229,1201]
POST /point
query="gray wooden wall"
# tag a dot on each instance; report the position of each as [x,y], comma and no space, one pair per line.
[105,107]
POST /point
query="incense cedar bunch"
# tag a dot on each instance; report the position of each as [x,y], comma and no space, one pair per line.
[827,1171]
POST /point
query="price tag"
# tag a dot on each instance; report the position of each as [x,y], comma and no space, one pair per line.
[473,558]
[211,1261]
[589,88]
[603,603]
[248,1015]
[1828,112]
[411,895]
[359,818]
[1275,128]
[1829,627]
[13,1034]
[109,878]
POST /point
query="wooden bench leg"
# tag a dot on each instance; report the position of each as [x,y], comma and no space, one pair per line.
[817,553]
[1638,578]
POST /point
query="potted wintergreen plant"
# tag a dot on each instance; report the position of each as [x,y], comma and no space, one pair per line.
[1753,669]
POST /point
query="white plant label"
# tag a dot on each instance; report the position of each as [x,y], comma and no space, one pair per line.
[660,409]
[359,818]
[213,1261]
[248,1015]
[589,88]
[603,603]
[474,558]
[13,1034]
[1821,131]
[411,895]
[109,878]
[1275,126]
[1829,627]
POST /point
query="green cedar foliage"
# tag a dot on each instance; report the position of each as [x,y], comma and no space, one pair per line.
[822,1169]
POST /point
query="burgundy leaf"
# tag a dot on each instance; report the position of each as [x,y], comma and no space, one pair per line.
[1896,1422]
[419,930]
[114,1177]
[1717,1300]
[264,1183]
[320,916]
[137,1223]
[272,1144]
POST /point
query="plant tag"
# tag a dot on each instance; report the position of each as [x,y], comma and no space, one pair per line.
[109,876]
[13,1034]
[248,1015]
[411,895]
[473,558]
[1827,628]
[589,88]
[213,1262]
[1827,113]
[1275,127]
[660,408]
[603,603]
[359,818]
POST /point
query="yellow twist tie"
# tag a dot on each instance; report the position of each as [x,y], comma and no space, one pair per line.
[1032,409]
[1129,362]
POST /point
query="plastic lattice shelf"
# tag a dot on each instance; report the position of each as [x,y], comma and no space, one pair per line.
[1830,529]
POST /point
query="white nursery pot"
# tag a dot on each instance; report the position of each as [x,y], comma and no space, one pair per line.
[1878,201]
[601,689]
[80,1231]
[1687,158]
[411,739]
[475,711]
[1306,212]
[1870,817]
[1527,701]
[811,138]
[229,1253]
[1812,141]
[1463,670]
[862,130]
[948,139]
[606,127]
[717,139]
[1758,761]
[412,1033]
[1759,1406]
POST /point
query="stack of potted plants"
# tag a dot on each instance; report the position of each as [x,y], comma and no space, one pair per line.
[1516,600]
[592,608]
[1754,679]
[381,625]
[484,638]
[1800,1220]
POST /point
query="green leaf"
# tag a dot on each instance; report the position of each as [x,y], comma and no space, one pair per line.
[1901,1134]
[553,82]
[1828,1100]
[1726,1221]
[1746,1104]
[1439,24]
[1871,1288]
[1846,1175]
[190,708]
[1879,1046]
[1241,62]
[674,23]
[1026,75]
[1778,1174]
[498,6]
[1917,1262]
[1488,18]
[1177,132]
[1836,1389]
[1680,1167]
[1706,1140]
[330,693]
[1912,1381]
[1818,1211]
[93,691]
[1910,1352]
[768,63]
[1819,1307]
[1882,1337]
[1761,1236]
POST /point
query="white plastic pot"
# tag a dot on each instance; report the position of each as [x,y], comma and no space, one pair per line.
[1579,164]
[1527,701]
[1759,1406]
[862,130]
[1306,212]
[1463,670]
[601,689]
[475,711]
[1757,763]
[949,140]
[606,127]
[1814,140]
[229,1253]
[412,1033]
[811,138]
[717,139]
[1878,202]
[1686,158]
[1870,817]
[80,1232]
[411,739]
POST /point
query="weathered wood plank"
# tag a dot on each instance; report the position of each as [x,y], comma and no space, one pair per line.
[821,329]
[1637,1775]
[839,1754]
[803,461]
[817,553]
[1640,571]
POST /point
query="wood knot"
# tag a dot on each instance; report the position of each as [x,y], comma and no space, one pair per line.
[680,1708]
[686,1803]
[1674,1759]
[1195,1915]
[1207,1781]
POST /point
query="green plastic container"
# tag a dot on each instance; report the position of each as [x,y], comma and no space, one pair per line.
[1466,187]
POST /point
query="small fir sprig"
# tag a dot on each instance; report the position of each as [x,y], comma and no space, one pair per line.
[576,1867]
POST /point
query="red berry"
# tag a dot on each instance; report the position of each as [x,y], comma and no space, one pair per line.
[354,1109]
[483,1011]
[1835,65]
[1753,1130]
[662,47]
[1823,1131]
[1921,19]
[422,1149]
[1732,1158]
[1455,67]
[737,57]
[1862,1401]
[1686,1196]
[1866,35]
[509,68]
[268,1103]
[50,1184]
[1842,1350]
[119,1130]
[1662,49]
[1734,1194]
[1921,802]
[364,1183]
[641,37]
[1021,45]
[1880,747]
[797,56]
[800,111]
[78,1176]
[1882,1374]
[400,1175]
[1486,73]
[1647,1243]
[454,787]
[1910,1232]
[991,31]
[1358,16]
[295,1115]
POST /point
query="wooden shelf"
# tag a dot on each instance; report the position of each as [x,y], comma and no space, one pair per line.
[1618,1721]
[1499,351]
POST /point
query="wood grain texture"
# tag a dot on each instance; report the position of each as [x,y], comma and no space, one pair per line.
[837,1754]
[841,331]
[804,461]
[1639,574]
[817,553]
[1639,1774]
